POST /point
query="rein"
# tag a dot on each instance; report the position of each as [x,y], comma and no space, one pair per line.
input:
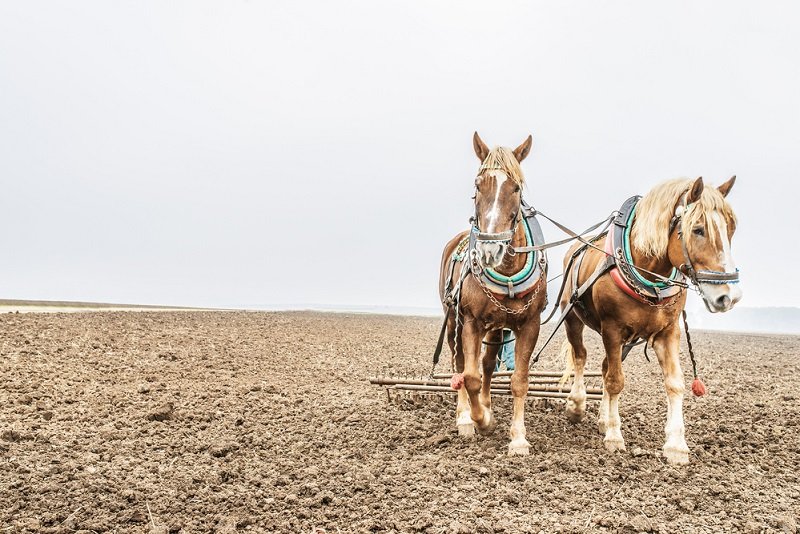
[696,277]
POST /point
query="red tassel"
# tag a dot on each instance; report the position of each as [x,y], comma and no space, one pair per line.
[457,381]
[698,388]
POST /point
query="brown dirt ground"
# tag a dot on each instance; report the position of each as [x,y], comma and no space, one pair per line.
[203,421]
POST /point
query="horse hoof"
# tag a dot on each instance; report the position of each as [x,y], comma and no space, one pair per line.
[467,431]
[676,456]
[614,445]
[575,409]
[518,450]
[574,417]
[574,413]
[488,428]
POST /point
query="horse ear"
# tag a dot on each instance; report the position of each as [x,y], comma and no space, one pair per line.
[726,187]
[481,150]
[695,191]
[524,149]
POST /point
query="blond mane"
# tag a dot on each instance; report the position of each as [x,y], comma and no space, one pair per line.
[503,159]
[650,232]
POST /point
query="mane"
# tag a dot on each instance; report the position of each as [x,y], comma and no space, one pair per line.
[503,159]
[650,233]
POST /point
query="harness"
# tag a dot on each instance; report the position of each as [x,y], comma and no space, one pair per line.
[516,286]
[523,282]
[625,274]
[619,264]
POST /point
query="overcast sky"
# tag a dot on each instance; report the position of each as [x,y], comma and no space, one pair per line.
[292,153]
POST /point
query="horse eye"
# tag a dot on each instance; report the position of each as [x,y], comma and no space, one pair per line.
[516,189]
[699,231]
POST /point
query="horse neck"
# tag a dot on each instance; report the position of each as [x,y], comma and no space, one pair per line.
[514,264]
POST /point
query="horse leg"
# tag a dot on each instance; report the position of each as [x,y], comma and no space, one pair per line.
[463,419]
[602,413]
[489,363]
[576,401]
[613,381]
[667,345]
[471,340]
[526,341]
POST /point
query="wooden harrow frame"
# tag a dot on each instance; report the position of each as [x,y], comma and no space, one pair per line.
[542,385]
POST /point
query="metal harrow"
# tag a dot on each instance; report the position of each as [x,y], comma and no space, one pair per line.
[542,385]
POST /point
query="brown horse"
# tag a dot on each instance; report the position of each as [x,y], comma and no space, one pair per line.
[478,310]
[679,228]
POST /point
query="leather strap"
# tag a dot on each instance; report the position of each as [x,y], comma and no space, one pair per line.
[604,223]
[438,351]
[599,271]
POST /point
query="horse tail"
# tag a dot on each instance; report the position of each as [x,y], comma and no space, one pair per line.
[568,355]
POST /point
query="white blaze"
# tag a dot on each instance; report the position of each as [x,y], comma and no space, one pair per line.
[494,212]
[725,256]
[713,292]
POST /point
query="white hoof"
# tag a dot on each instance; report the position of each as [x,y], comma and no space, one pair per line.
[522,448]
[575,411]
[676,455]
[614,445]
[466,430]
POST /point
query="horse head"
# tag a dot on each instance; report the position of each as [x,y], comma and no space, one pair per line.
[498,194]
[700,243]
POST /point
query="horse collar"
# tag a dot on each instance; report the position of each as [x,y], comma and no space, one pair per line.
[523,282]
[624,273]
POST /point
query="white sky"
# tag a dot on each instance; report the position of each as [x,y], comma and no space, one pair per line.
[286,153]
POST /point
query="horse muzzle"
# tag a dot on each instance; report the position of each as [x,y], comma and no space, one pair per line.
[720,298]
[491,253]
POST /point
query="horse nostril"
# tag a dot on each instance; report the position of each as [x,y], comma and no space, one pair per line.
[723,302]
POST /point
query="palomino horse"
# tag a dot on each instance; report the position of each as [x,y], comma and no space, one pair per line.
[486,285]
[634,285]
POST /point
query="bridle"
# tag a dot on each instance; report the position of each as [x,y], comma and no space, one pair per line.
[697,276]
[496,237]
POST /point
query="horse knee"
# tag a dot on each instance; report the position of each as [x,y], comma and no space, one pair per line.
[614,383]
[472,381]
[519,389]
[674,386]
[519,384]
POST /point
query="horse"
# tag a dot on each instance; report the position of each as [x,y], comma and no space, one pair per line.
[630,284]
[485,285]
